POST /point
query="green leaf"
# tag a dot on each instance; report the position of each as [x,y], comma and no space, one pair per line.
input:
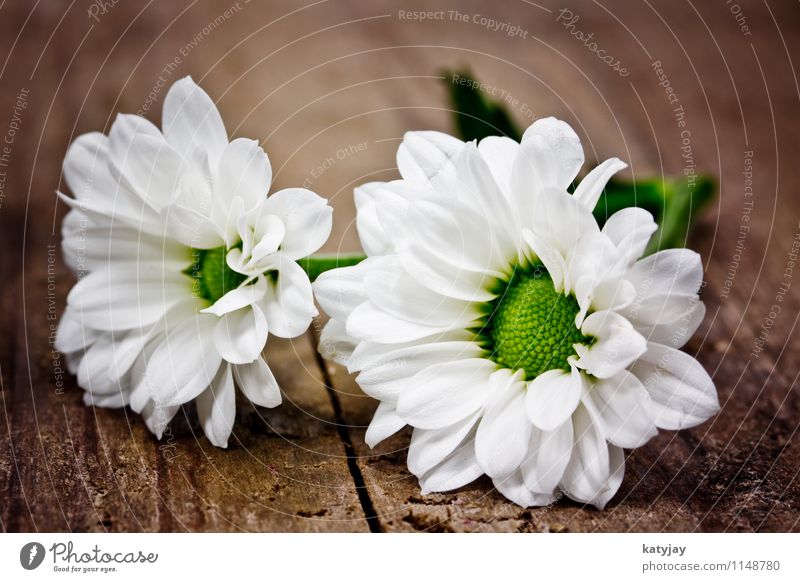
[475,115]
[315,265]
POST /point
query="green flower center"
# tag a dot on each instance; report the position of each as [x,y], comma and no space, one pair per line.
[211,276]
[531,326]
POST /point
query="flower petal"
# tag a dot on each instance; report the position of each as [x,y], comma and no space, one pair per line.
[430,447]
[514,488]
[630,230]
[243,170]
[335,344]
[443,394]
[499,152]
[591,187]
[595,470]
[549,453]
[617,344]
[504,432]
[459,468]
[564,143]
[240,336]
[387,375]
[258,384]
[622,408]
[216,408]
[552,397]
[306,217]
[191,122]
[682,392]
[240,297]
[368,323]
[423,155]
[384,424]
[288,304]
[390,289]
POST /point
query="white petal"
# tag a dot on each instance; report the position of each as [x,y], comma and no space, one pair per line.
[425,154]
[622,407]
[617,344]
[156,418]
[551,258]
[385,376]
[306,217]
[289,303]
[392,290]
[595,470]
[191,122]
[384,424]
[184,364]
[430,447]
[500,153]
[552,397]
[244,170]
[563,141]
[591,187]
[240,336]
[457,235]
[458,469]
[630,230]
[682,392]
[534,169]
[258,384]
[335,344]
[678,271]
[216,408]
[478,188]
[149,163]
[514,488]
[240,297]
[374,240]
[677,332]
[339,291]
[447,279]
[119,298]
[368,323]
[561,219]
[503,436]
[549,454]
[443,394]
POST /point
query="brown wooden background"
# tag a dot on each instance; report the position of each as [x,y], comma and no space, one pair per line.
[313,79]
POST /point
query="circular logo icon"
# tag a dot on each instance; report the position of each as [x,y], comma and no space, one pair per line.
[31,555]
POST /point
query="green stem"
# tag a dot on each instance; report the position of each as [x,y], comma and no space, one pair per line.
[315,265]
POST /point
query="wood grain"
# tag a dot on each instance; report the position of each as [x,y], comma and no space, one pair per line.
[330,88]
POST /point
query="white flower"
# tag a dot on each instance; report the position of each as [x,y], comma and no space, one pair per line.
[495,317]
[185,265]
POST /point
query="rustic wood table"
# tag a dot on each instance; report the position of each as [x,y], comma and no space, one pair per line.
[329,87]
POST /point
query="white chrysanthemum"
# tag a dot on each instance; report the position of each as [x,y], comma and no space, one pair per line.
[495,317]
[185,265]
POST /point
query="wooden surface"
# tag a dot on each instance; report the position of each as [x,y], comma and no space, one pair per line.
[314,81]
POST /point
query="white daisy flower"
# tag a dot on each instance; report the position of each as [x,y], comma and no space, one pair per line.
[496,318]
[185,265]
